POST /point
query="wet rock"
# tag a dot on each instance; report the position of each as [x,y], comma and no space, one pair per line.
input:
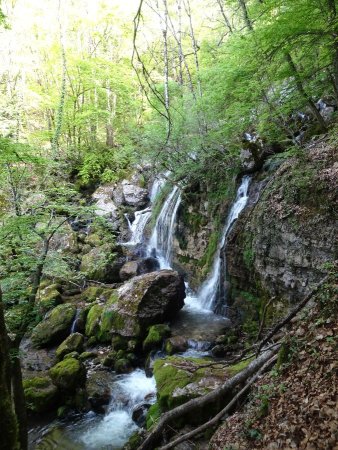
[73,343]
[100,264]
[139,414]
[219,351]
[41,395]
[33,359]
[98,387]
[176,344]
[68,374]
[123,365]
[55,327]
[65,241]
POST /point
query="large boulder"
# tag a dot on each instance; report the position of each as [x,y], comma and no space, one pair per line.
[146,300]
[68,374]
[40,393]
[139,267]
[55,327]
[134,195]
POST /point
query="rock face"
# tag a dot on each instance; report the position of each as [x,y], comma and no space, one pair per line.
[55,327]
[141,302]
[280,245]
[199,221]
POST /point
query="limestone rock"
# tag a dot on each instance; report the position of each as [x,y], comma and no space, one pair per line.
[176,344]
[134,195]
[104,204]
[55,327]
[98,387]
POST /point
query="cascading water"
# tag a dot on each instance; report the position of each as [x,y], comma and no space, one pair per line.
[211,290]
[94,432]
[137,227]
[161,241]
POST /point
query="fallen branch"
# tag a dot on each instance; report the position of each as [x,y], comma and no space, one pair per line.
[154,436]
[225,410]
[291,315]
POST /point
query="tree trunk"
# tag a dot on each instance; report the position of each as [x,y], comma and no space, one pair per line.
[165,56]
[8,422]
[303,93]
[19,397]
[333,19]
[226,20]
[245,13]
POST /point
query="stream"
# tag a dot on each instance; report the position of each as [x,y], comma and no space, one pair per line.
[196,322]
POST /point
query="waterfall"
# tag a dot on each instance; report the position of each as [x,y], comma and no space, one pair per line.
[211,290]
[137,226]
[161,241]
[76,318]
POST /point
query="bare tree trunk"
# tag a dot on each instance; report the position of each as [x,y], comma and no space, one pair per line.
[165,56]
[333,19]
[303,93]
[245,13]
[111,107]
[194,44]
[8,421]
[226,20]
[179,38]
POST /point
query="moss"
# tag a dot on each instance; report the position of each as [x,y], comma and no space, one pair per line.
[72,343]
[283,355]
[68,374]
[49,297]
[87,355]
[172,374]
[236,368]
[205,263]
[134,442]
[40,394]
[154,413]
[93,293]
[158,203]
[55,327]
[122,365]
[155,337]
[93,320]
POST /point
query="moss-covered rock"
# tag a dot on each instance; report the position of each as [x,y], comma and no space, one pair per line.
[68,374]
[98,387]
[87,355]
[41,394]
[55,327]
[48,297]
[155,337]
[176,344]
[73,343]
[153,415]
[93,320]
[179,380]
[93,293]
[102,264]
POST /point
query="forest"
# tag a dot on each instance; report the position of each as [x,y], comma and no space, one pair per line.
[168,224]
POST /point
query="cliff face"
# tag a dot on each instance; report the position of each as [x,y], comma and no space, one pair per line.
[280,245]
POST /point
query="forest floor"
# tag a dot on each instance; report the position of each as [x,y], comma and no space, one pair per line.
[295,406]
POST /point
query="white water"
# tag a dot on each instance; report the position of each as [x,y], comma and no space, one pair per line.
[74,324]
[161,241]
[137,226]
[209,290]
[117,425]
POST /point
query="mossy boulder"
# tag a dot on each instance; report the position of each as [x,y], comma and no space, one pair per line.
[94,293]
[73,343]
[49,297]
[146,300]
[55,327]
[176,344]
[68,374]
[41,394]
[181,379]
[102,264]
[155,337]
[93,320]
